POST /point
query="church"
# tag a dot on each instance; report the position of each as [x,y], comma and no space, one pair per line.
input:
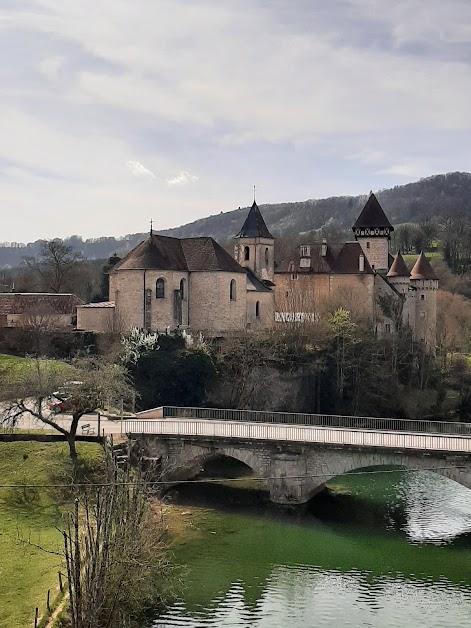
[167,283]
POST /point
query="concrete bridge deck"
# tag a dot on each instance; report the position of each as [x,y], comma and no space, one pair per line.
[301,434]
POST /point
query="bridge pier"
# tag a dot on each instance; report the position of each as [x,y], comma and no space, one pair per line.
[287,478]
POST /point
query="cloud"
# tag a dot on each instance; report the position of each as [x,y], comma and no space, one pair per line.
[182,179]
[367,156]
[408,168]
[138,170]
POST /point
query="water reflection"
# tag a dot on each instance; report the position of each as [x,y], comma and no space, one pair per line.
[306,596]
[384,553]
[436,509]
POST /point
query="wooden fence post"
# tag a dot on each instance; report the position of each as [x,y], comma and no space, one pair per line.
[36,613]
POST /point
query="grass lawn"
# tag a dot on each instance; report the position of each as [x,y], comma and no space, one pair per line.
[13,367]
[410,259]
[29,517]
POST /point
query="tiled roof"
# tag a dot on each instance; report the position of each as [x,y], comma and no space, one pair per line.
[398,267]
[20,302]
[207,254]
[372,216]
[188,254]
[254,225]
[422,269]
[339,258]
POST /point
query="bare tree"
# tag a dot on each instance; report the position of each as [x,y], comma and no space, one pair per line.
[55,264]
[86,384]
[116,557]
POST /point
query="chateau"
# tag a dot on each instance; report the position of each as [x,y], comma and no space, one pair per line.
[169,282]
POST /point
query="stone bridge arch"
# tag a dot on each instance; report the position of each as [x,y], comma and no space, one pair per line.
[184,462]
[349,461]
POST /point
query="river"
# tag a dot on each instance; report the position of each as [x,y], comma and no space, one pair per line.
[379,550]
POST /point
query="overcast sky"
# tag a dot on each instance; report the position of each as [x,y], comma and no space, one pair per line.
[113,112]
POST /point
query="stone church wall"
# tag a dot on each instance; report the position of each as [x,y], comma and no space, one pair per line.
[211,308]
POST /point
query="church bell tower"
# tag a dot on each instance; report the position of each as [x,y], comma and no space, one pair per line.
[255,246]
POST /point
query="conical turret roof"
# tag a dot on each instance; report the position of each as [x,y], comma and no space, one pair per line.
[422,269]
[372,216]
[254,225]
[398,267]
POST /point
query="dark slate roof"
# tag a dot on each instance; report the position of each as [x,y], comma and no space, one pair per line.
[348,260]
[188,254]
[340,259]
[21,302]
[422,269]
[372,216]
[254,225]
[257,285]
[398,267]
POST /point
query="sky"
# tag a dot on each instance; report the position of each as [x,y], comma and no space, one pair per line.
[113,112]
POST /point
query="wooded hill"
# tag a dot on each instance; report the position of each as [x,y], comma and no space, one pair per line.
[439,196]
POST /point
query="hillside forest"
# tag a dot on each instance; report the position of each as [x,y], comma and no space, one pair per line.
[333,365]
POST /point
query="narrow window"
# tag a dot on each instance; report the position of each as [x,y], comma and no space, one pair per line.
[160,288]
[183,289]
[257,309]
[388,328]
[294,276]
[246,253]
[232,290]
[267,257]
[367,245]
[422,297]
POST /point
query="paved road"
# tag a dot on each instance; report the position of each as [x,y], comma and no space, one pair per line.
[27,422]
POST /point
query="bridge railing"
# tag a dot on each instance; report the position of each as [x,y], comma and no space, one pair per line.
[298,434]
[318,420]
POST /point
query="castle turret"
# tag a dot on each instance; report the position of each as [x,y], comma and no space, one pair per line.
[255,246]
[399,277]
[425,283]
[373,231]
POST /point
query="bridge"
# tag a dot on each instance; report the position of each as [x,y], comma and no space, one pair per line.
[296,454]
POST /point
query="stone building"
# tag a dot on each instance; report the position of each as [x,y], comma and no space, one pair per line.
[360,275]
[38,310]
[168,282]
[194,283]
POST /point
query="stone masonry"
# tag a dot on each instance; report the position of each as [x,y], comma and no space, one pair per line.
[294,473]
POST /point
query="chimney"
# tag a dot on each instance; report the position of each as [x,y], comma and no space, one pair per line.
[361,263]
[324,248]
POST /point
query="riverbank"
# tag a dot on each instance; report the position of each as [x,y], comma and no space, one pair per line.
[30,523]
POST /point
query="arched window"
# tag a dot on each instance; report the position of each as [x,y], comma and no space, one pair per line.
[267,257]
[232,290]
[183,289]
[246,253]
[257,309]
[160,288]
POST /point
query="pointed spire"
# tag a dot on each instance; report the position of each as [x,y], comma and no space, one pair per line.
[254,225]
[422,269]
[372,216]
[398,267]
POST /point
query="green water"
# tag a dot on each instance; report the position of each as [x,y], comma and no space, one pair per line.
[391,550]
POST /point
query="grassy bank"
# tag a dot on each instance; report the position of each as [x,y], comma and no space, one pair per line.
[29,519]
[14,368]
